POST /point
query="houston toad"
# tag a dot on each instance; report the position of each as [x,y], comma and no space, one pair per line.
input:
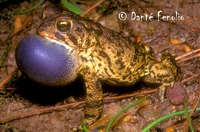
[103,55]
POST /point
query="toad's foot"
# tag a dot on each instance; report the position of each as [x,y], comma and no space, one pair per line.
[162,89]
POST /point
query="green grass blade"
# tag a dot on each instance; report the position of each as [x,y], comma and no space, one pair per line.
[123,110]
[188,116]
[85,129]
[30,9]
[72,6]
[147,129]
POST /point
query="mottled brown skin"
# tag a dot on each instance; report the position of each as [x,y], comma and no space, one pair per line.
[105,56]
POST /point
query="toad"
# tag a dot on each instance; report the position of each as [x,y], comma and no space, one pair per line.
[101,56]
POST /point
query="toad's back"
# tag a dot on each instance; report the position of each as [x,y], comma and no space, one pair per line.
[113,58]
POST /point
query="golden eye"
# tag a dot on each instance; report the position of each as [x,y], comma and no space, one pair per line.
[63,25]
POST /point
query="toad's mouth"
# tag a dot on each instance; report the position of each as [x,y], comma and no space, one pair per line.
[67,47]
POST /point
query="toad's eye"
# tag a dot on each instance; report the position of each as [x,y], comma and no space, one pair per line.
[63,25]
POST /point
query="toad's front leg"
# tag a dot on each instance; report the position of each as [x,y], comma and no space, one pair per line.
[94,95]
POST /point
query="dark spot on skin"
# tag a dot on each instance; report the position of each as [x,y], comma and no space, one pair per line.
[73,39]
[104,55]
[109,38]
[99,64]
[138,50]
[117,81]
[74,16]
[87,42]
[106,70]
[44,26]
[41,30]
[86,68]
[78,29]
[94,104]
[83,58]
[112,34]
[48,24]
[91,115]
[121,65]
[112,71]
[130,77]
[60,37]
[98,32]
[118,53]
[97,43]
[152,73]
[164,76]
[132,64]
[128,69]
[124,77]
[92,56]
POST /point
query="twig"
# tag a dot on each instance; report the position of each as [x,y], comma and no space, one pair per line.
[131,95]
[187,54]
[188,58]
[190,78]
[8,78]
[13,45]
[178,59]
[58,108]
[91,8]
[3,88]
[38,112]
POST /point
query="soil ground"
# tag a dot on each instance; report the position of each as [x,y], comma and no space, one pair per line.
[26,106]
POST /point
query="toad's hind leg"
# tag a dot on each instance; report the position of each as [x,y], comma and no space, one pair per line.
[164,73]
[94,95]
